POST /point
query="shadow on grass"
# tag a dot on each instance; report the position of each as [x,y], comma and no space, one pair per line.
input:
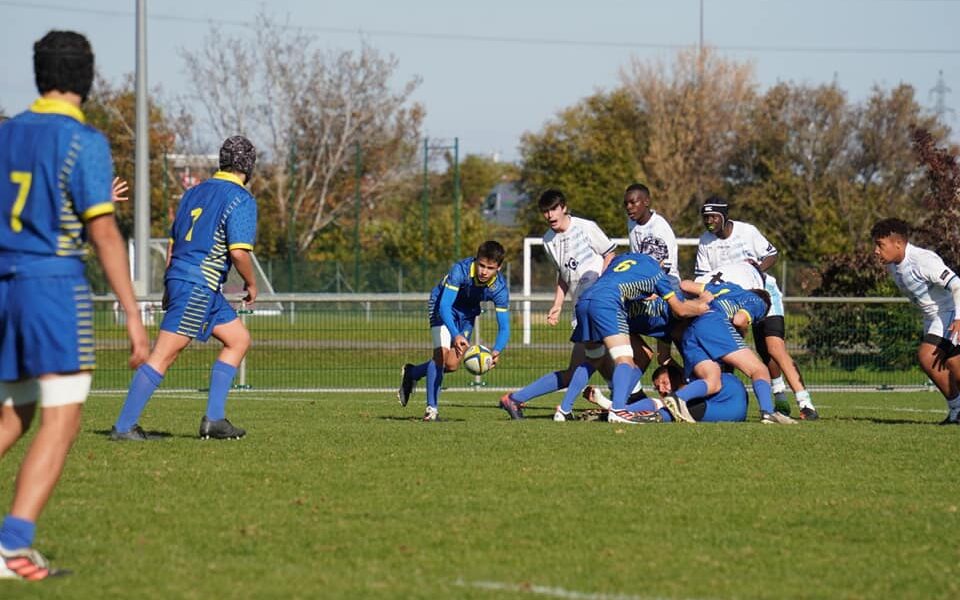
[151,435]
[415,419]
[882,421]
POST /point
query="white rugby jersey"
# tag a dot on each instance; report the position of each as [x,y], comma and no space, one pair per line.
[923,277]
[656,239]
[578,254]
[745,243]
[743,274]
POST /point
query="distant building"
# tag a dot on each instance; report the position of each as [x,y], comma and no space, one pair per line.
[502,203]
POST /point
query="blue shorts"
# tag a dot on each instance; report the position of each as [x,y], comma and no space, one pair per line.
[194,310]
[46,326]
[599,318]
[710,336]
[729,404]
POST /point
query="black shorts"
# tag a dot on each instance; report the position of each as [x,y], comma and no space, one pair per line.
[769,327]
[944,345]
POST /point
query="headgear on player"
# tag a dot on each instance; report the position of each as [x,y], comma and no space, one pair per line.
[238,155]
[63,61]
[715,205]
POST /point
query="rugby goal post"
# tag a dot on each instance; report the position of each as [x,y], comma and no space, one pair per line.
[528,244]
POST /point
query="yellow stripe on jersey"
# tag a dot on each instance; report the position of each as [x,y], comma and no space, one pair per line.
[450,287]
[224,175]
[57,107]
[240,246]
[503,309]
[97,210]
[670,295]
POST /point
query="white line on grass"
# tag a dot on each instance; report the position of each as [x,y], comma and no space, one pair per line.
[552,592]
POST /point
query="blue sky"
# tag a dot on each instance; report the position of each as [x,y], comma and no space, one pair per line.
[492,70]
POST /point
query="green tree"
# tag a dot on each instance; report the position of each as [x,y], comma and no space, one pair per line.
[697,111]
[112,110]
[591,152]
[307,110]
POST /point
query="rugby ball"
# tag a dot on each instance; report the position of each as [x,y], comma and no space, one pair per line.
[477,359]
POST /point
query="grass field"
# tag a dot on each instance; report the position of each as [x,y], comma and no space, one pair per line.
[350,496]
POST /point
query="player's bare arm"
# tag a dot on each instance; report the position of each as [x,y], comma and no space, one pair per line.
[553,315]
[244,266]
[112,254]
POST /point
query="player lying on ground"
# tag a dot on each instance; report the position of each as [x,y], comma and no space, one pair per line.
[603,317]
[727,405]
[717,336]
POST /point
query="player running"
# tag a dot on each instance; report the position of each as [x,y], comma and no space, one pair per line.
[55,193]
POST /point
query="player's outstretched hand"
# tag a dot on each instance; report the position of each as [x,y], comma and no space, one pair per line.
[494,359]
[553,317]
[119,189]
[139,343]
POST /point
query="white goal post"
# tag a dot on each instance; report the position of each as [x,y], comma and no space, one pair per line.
[529,243]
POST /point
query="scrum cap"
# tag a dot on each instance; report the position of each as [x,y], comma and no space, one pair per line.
[715,205]
[238,155]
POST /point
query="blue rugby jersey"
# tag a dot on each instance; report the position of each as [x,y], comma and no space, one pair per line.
[470,293]
[213,218]
[730,298]
[630,277]
[55,175]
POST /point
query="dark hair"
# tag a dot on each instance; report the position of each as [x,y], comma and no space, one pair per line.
[887,227]
[551,199]
[238,155]
[674,372]
[637,187]
[63,61]
[765,296]
[492,250]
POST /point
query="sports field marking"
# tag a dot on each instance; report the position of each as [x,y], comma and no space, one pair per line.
[552,592]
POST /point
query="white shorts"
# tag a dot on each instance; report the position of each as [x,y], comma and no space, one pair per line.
[51,392]
[938,325]
[441,336]
[776,296]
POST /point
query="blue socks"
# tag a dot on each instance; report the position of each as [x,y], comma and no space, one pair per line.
[764,396]
[548,383]
[221,379]
[625,378]
[578,381]
[695,389]
[16,533]
[418,372]
[145,380]
[434,379]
